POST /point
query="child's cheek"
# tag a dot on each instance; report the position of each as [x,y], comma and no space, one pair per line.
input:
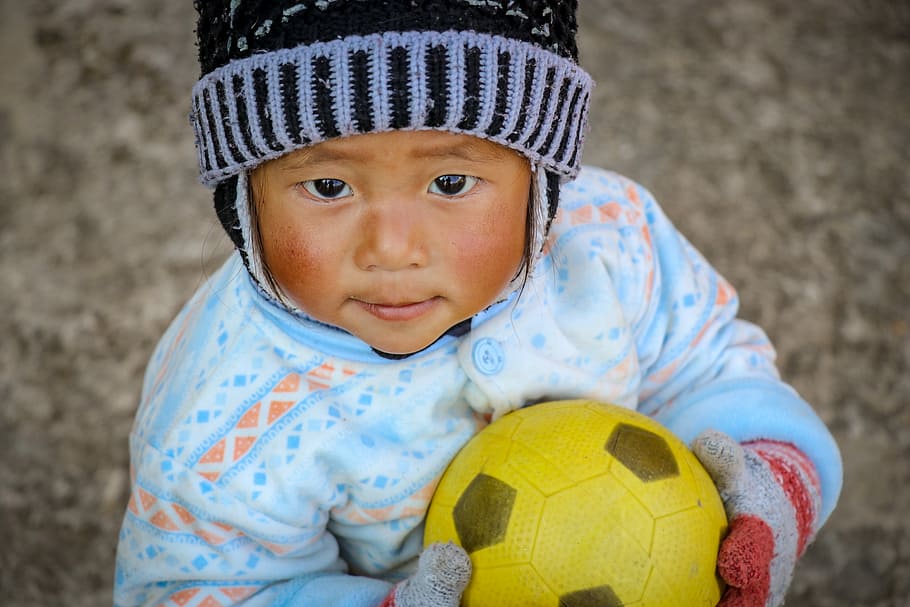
[295,260]
[490,257]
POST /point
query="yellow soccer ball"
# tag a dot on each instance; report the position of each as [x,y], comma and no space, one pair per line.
[573,503]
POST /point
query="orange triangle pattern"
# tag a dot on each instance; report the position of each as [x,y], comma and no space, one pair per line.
[210,601]
[610,212]
[238,593]
[146,499]
[253,423]
[162,521]
[214,455]
[725,292]
[582,215]
[277,408]
[291,383]
[250,419]
[210,538]
[323,371]
[184,596]
[184,515]
[242,444]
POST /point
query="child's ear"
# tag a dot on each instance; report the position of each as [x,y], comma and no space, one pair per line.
[226,210]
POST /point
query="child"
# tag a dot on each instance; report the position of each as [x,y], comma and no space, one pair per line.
[418,253]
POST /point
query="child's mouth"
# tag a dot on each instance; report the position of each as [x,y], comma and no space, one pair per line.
[399,312]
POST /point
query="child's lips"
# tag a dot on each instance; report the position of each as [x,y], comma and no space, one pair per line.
[399,312]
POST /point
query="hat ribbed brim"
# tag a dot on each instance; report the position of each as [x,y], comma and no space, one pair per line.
[504,90]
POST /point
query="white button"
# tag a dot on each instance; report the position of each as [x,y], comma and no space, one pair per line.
[488,357]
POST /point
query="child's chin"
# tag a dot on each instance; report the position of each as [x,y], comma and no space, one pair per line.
[403,348]
[400,352]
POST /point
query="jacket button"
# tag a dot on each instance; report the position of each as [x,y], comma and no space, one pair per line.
[488,357]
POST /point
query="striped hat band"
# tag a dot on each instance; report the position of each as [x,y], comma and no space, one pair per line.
[505,90]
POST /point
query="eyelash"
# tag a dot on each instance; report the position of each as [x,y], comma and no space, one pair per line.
[312,188]
[334,189]
[464,180]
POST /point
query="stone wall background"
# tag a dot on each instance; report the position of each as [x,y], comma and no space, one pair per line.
[775,133]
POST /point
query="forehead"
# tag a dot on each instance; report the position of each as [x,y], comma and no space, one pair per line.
[403,145]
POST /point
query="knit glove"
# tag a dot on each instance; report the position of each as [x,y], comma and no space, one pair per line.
[771,493]
[443,572]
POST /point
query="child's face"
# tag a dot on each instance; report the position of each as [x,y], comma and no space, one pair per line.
[394,237]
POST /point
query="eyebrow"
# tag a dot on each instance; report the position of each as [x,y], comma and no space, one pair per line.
[468,151]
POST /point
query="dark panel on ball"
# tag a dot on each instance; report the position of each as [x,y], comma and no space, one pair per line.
[644,453]
[482,512]
[601,596]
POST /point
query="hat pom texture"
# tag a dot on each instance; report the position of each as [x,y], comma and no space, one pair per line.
[279,76]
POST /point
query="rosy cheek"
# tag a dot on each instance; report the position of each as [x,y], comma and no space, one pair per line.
[290,257]
[489,258]
[468,257]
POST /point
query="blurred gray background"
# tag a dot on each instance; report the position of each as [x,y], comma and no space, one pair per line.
[775,133]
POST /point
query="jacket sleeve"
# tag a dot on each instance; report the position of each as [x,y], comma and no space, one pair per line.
[187,542]
[701,366]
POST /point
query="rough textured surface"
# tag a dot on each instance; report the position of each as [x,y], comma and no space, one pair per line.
[775,133]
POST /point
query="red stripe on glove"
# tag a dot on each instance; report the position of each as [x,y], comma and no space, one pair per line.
[792,470]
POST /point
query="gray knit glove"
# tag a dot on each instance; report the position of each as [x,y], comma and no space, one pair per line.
[772,497]
[443,572]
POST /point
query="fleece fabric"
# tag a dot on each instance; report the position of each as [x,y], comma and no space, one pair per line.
[277,461]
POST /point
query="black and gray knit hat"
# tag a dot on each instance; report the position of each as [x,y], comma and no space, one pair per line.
[278,75]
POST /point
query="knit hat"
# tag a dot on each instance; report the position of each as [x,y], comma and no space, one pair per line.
[278,75]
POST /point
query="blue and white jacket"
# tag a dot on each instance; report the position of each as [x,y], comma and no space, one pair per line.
[277,461]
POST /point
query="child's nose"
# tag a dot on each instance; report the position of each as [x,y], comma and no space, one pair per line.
[393,237]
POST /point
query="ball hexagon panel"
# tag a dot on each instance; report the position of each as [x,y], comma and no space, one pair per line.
[673,537]
[510,587]
[590,524]
[555,437]
[537,469]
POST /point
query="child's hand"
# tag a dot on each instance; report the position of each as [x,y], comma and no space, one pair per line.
[770,493]
[443,572]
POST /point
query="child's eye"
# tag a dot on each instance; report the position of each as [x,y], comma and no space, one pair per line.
[452,185]
[327,189]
